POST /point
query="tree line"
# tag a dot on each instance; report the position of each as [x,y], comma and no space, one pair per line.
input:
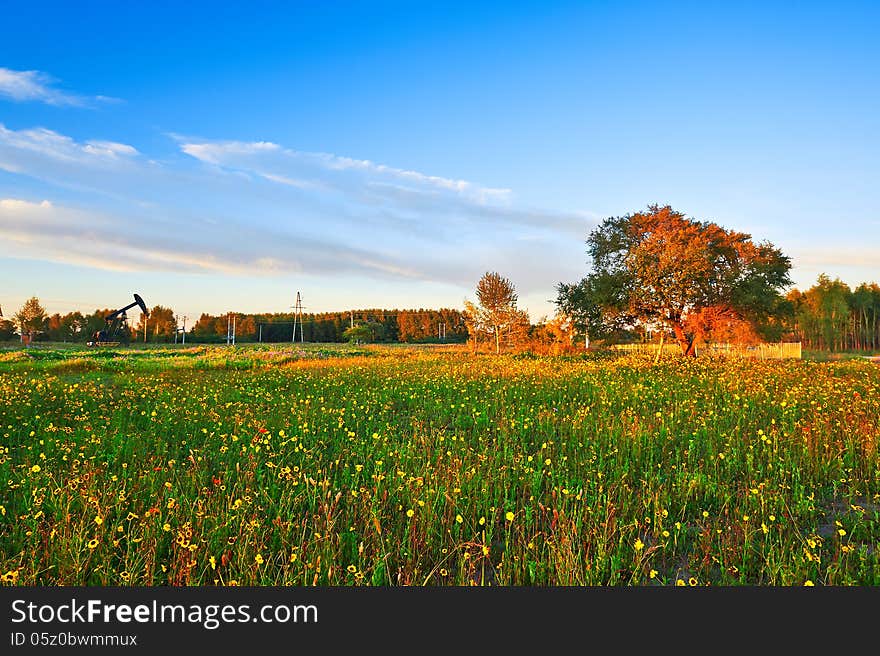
[163,325]
[830,316]
[495,322]
[373,325]
[32,319]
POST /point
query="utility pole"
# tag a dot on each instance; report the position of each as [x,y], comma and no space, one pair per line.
[179,331]
[302,334]
[297,314]
[233,330]
[261,333]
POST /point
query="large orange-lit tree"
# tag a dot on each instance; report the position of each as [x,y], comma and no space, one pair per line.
[659,267]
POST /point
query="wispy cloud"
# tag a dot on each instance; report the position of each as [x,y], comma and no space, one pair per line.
[110,149]
[274,162]
[834,257]
[260,209]
[402,193]
[37,86]
[46,230]
[17,145]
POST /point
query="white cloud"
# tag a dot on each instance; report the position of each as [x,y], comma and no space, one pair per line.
[19,147]
[290,182]
[271,161]
[22,207]
[216,153]
[36,86]
[400,196]
[109,149]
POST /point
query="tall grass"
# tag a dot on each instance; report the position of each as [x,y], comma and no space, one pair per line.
[383,466]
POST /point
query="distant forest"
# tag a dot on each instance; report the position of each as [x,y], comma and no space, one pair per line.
[420,325]
[829,316]
[163,325]
[832,317]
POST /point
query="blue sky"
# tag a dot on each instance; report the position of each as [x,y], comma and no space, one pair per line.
[219,156]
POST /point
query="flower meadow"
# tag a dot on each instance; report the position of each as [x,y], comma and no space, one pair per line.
[307,466]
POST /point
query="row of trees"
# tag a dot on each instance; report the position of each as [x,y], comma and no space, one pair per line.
[373,325]
[831,316]
[494,322]
[33,320]
[163,325]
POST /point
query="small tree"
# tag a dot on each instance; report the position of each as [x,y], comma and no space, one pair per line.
[474,322]
[31,318]
[162,323]
[53,328]
[72,325]
[496,311]
[359,333]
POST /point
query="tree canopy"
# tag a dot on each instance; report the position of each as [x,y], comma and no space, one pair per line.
[359,334]
[659,268]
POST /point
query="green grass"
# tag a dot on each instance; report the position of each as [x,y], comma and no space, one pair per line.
[828,356]
[342,465]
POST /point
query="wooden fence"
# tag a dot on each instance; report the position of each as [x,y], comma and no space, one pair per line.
[779,351]
[668,348]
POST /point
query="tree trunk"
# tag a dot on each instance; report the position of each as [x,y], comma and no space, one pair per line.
[660,348]
[687,345]
[873,327]
[497,340]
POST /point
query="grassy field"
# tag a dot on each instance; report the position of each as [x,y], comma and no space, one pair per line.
[339,465]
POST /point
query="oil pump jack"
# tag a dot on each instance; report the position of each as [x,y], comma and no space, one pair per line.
[116,330]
